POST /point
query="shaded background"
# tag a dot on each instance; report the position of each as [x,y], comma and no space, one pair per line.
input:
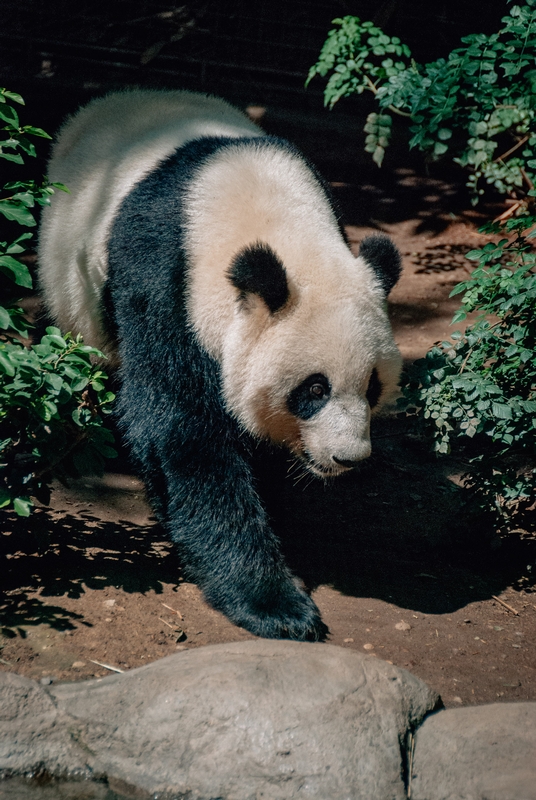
[248,51]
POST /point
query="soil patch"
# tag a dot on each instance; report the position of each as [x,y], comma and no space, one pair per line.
[395,568]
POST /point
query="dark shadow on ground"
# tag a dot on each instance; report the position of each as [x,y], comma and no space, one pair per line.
[62,553]
[397,530]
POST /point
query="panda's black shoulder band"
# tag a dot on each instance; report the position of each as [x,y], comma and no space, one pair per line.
[384,258]
[257,269]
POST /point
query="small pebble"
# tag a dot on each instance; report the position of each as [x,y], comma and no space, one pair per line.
[403,626]
[78,664]
[368,647]
[47,680]
[109,603]
[349,639]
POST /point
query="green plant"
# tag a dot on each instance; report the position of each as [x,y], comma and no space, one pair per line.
[53,398]
[481,386]
[477,106]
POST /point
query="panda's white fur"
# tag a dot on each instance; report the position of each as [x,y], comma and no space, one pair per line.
[213,360]
[100,154]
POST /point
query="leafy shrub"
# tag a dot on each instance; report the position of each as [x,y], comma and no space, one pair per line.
[477,106]
[480,388]
[482,384]
[53,397]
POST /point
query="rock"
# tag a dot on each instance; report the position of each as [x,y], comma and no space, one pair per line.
[33,732]
[477,753]
[272,719]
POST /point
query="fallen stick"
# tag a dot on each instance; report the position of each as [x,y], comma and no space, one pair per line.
[498,599]
[107,666]
[173,627]
[174,610]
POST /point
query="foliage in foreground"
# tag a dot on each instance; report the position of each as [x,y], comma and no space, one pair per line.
[482,384]
[53,398]
[477,106]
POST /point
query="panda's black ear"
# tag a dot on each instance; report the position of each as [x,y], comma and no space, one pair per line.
[384,258]
[258,270]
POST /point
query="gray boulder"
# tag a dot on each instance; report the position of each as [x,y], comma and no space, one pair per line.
[34,732]
[255,719]
[479,753]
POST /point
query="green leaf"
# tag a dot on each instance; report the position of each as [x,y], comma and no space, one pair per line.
[17,213]
[501,411]
[378,155]
[79,384]
[18,272]
[5,318]
[440,148]
[15,246]
[8,114]
[5,365]
[15,157]
[22,506]
[473,255]
[36,131]
[13,96]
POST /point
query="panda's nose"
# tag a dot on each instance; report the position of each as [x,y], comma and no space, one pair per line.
[345,463]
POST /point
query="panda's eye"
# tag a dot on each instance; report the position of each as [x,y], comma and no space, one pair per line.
[309,397]
[317,391]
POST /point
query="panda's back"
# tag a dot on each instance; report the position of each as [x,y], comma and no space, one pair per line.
[101,154]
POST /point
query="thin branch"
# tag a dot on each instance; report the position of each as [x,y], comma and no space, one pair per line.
[526,177]
[373,88]
[512,150]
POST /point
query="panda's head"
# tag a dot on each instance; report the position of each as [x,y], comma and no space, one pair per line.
[310,355]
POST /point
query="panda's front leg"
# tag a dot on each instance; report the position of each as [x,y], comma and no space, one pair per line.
[217,520]
[195,462]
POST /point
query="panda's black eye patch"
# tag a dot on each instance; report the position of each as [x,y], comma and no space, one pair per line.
[309,397]
[374,390]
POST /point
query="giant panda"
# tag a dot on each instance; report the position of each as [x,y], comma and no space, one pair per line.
[206,260]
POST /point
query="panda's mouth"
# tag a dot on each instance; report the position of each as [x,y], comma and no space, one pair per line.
[333,471]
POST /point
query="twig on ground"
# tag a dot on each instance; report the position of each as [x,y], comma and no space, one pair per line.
[174,610]
[173,627]
[498,599]
[107,666]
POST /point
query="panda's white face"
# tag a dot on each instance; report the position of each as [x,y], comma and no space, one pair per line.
[310,375]
[275,296]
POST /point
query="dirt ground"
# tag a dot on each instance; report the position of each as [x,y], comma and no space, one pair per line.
[92,584]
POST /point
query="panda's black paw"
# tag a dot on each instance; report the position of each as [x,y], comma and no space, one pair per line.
[288,613]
